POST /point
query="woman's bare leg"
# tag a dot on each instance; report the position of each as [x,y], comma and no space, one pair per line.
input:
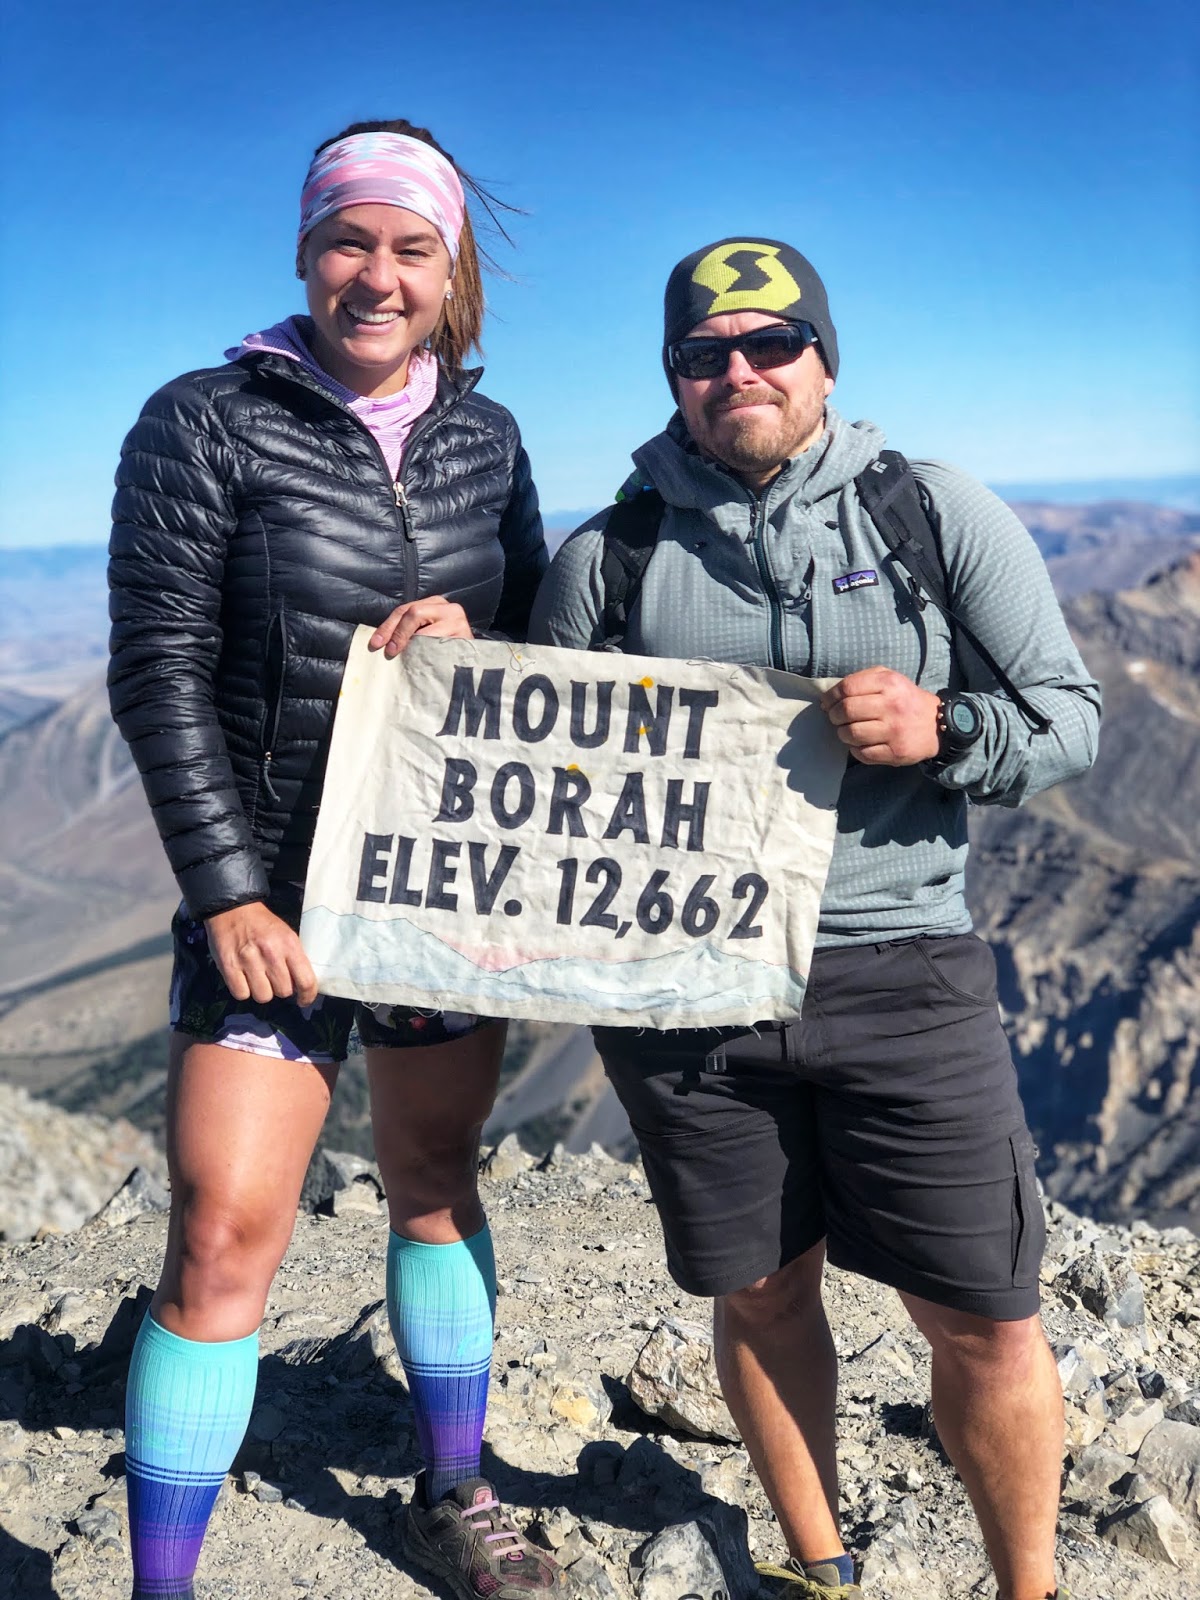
[428,1108]
[240,1129]
[240,1133]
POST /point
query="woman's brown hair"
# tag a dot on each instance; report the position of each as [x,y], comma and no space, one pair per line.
[458,332]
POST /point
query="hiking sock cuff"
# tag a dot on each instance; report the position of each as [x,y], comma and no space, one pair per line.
[434,1267]
[187,1403]
[844,1564]
[441,1301]
[193,1396]
[196,1349]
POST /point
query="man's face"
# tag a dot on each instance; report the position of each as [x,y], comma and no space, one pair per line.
[755,421]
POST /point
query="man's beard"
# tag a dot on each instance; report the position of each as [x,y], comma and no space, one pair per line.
[756,443]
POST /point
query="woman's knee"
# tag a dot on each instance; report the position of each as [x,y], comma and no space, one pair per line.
[437,1174]
[217,1249]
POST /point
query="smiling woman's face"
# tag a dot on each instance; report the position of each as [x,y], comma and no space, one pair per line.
[376,278]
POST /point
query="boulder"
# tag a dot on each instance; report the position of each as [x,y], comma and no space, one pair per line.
[1105,1284]
[1170,1455]
[674,1377]
[142,1194]
[331,1171]
[679,1561]
[1097,1468]
[507,1160]
[1127,1431]
[1153,1529]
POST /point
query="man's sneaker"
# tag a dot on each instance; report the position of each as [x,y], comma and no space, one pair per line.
[466,1540]
[820,1582]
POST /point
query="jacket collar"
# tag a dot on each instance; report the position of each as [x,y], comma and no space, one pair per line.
[451,387]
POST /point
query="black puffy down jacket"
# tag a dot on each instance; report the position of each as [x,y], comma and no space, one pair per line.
[255,525]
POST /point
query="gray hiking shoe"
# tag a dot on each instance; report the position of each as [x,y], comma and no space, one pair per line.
[466,1540]
[820,1582]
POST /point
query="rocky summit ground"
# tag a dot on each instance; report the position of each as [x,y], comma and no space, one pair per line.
[606,1433]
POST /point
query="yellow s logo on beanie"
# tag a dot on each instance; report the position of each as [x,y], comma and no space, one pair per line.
[778,293]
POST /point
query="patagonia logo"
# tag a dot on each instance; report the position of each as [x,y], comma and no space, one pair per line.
[866,579]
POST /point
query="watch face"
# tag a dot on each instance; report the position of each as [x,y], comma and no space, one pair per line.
[962,717]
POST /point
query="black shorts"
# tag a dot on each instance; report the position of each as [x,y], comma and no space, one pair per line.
[886,1121]
[203,1008]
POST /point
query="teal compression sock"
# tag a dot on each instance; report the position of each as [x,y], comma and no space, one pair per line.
[186,1409]
[441,1304]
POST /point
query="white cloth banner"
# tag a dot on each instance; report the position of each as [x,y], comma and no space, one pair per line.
[570,836]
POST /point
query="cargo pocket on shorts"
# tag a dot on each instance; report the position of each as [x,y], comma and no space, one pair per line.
[1028,1220]
[962,966]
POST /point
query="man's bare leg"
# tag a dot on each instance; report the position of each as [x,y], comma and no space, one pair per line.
[998,1405]
[778,1370]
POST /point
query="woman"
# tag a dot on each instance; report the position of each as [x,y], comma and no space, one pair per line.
[339,470]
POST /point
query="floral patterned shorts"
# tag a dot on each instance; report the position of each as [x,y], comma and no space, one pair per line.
[203,1007]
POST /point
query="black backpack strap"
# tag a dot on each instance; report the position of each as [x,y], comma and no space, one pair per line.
[630,534]
[892,498]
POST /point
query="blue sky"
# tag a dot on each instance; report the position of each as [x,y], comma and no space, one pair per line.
[1001,199]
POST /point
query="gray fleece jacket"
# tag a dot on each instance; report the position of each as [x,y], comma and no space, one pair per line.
[735,577]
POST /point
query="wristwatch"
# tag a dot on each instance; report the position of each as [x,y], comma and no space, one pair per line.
[959,724]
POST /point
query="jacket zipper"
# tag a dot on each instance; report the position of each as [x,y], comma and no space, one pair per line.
[806,599]
[276,626]
[409,547]
[401,507]
[400,495]
[770,587]
[400,500]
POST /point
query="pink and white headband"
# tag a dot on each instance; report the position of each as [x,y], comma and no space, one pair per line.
[388,169]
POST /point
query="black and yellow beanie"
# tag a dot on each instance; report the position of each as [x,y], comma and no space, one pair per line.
[748,275]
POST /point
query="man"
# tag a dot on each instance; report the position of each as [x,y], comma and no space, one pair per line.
[882,1128]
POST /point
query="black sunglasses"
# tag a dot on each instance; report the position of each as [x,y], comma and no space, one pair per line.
[763,348]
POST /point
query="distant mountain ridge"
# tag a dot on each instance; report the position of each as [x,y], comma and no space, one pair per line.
[53,620]
[1180,489]
[1113,545]
[1090,896]
[74,574]
[59,592]
[81,869]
